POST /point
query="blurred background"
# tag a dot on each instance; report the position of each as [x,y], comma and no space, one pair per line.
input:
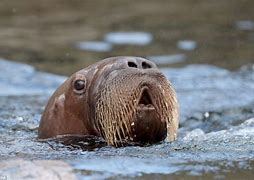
[62,36]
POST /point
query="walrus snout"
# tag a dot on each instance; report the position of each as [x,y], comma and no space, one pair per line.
[135,103]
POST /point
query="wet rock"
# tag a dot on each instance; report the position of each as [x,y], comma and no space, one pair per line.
[129,38]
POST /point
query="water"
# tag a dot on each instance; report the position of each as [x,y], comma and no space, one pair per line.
[20,79]
[216,135]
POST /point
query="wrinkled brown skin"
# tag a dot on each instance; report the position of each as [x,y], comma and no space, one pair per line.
[73,112]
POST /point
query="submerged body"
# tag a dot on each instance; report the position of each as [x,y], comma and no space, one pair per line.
[121,99]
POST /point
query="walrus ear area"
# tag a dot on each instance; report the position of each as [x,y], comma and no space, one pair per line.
[79,85]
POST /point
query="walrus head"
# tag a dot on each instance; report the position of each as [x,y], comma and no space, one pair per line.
[121,99]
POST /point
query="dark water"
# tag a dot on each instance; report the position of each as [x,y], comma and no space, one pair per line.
[46,34]
[216,135]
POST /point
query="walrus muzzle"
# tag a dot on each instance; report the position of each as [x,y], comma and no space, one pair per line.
[135,106]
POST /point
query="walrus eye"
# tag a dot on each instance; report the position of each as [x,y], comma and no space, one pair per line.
[79,85]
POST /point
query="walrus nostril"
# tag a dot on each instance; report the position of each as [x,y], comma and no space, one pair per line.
[145,65]
[132,64]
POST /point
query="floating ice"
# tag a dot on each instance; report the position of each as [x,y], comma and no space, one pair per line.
[167,59]
[129,38]
[246,25]
[97,46]
[187,45]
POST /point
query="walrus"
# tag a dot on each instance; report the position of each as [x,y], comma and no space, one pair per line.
[120,99]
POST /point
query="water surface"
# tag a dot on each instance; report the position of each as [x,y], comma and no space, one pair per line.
[216,135]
